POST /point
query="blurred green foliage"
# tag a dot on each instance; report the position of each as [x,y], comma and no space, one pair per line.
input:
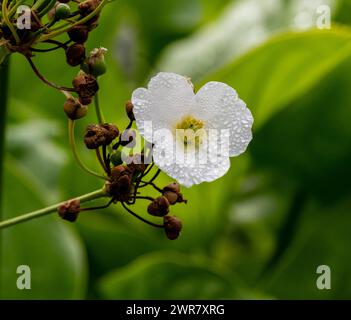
[263,229]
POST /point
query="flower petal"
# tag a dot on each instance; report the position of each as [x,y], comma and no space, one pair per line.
[220,107]
[187,172]
[169,96]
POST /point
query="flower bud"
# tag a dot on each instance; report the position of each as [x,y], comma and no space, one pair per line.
[94,136]
[62,11]
[129,110]
[159,207]
[69,210]
[100,135]
[173,186]
[171,196]
[86,86]
[75,54]
[172,226]
[120,186]
[172,193]
[88,6]
[95,63]
[74,109]
[112,132]
[78,34]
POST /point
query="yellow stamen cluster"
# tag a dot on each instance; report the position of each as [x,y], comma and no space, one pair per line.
[190,131]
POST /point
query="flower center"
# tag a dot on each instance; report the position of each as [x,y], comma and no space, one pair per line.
[190,130]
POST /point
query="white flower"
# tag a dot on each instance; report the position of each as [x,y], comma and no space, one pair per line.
[170,103]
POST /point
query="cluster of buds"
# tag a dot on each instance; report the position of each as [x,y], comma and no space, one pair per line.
[125,179]
[127,176]
[48,20]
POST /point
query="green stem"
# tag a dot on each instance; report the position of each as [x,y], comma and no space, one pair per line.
[65,28]
[75,152]
[39,213]
[4,79]
[8,22]
[4,74]
[98,110]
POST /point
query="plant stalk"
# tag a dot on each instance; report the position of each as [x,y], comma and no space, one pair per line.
[45,211]
[4,75]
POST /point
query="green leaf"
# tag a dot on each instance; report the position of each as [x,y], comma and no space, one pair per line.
[275,74]
[320,240]
[170,275]
[309,142]
[50,248]
[243,25]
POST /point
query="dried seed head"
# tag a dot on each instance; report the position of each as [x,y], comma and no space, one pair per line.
[94,136]
[74,109]
[100,135]
[120,186]
[159,207]
[112,132]
[69,210]
[86,86]
[75,54]
[79,34]
[172,226]
[118,171]
[129,110]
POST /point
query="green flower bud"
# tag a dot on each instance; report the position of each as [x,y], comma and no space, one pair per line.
[95,63]
[62,11]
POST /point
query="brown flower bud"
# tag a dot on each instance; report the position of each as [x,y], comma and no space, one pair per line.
[74,109]
[118,171]
[75,54]
[79,34]
[173,186]
[172,193]
[120,185]
[129,110]
[159,207]
[171,196]
[69,210]
[128,138]
[94,136]
[88,6]
[86,86]
[100,135]
[172,226]
[112,132]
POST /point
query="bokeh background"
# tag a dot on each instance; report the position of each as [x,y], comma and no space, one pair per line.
[259,232]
